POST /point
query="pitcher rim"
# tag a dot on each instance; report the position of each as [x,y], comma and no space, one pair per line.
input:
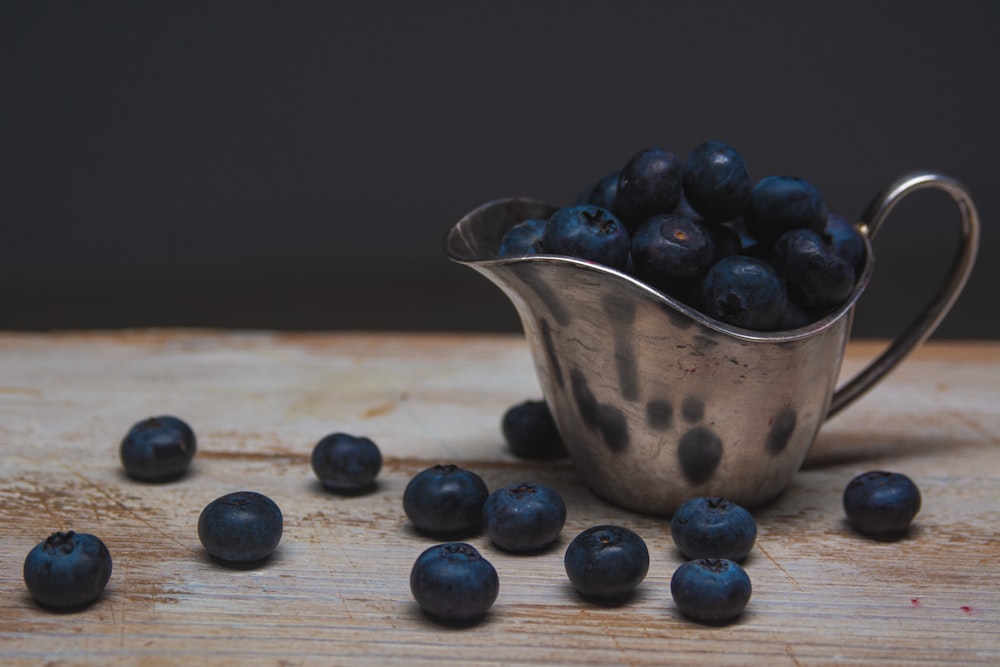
[788,335]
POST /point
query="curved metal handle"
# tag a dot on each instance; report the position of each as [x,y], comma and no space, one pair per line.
[927,321]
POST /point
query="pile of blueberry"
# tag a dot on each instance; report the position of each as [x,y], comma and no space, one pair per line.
[765,256]
[451,581]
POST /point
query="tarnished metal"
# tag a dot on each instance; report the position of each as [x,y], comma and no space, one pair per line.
[657,402]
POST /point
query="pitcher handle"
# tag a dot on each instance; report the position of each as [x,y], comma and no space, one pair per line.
[927,321]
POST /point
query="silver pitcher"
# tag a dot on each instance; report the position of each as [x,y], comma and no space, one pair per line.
[658,403]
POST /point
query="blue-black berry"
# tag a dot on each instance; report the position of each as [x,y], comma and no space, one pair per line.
[744,291]
[453,583]
[603,193]
[881,504]
[157,449]
[716,181]
[346,464]
[445,500]
[523,518]
[710,590]
[524,238]
[815,276]
[587,232]
[650,183]
[670,249]
[531,431]
[67,570]
[846,240]
[606,562]
[781,203]
[240,527]
[713,528]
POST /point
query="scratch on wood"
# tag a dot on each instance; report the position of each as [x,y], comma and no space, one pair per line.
[791,654]
[378,410]
[128,510]
[45,506]
[22,391]
[121,634]
[974,426]
[218,454]
[618,645]
[778,565]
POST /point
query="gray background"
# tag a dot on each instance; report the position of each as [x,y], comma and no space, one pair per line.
[296,164]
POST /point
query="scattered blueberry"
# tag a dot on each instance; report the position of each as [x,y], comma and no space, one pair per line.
[846,240]
[67,570]
[881,504]
[453,583]
[744,291]
[782,203]
[716,181]
[606,562]
[445,500]
[670,250]
[587,232]
[815,276]
[710,590]
[240,527]
[346,463]
[523,518]
[157,449]
[713,528]
[650,183]
[531,431]
[524,238]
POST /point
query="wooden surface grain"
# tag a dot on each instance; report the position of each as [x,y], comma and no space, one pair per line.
[337,590]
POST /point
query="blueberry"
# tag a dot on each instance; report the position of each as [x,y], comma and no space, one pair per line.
[531,431]
[445,500]
[713,528]
[650,183]
[603,193]
[716,181]
[744,291]
[587,232]
[814,276]
[710,590]
[157,449]
[670,250]
[782,203]
[524,238]
[881,504]
[795,317]
[67,570]
[453,583]
[240,527]
[606,562]
[726,241]
[346,463]
[846,240]
[523,518]
[685,209]
[748,244]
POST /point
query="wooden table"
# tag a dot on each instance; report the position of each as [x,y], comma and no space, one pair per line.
[337,590]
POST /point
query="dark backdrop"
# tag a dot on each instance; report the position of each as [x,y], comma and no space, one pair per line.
[296,164]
